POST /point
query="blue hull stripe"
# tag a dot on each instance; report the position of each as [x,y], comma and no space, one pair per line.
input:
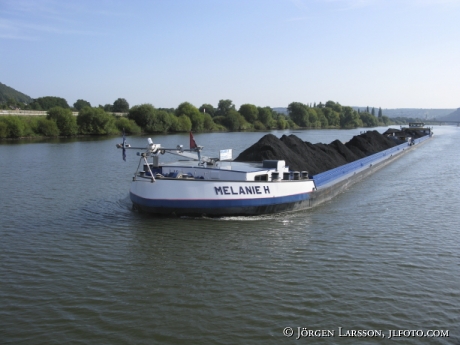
[217,203]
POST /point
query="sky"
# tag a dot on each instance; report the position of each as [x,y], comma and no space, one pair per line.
[377,53]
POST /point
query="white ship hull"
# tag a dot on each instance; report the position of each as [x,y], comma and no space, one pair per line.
[219,198]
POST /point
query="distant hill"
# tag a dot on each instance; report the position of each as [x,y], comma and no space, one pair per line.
[417,113]
[281,110]
[7,92]
[454,116]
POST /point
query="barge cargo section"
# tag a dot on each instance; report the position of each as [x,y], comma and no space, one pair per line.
[214,188]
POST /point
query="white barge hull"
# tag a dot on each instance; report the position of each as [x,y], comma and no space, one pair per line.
[219,198]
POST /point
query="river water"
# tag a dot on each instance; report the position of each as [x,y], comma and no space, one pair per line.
[78,266]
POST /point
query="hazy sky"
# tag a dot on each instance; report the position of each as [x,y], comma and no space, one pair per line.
[381,53]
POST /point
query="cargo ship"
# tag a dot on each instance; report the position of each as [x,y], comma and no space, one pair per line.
[216,187]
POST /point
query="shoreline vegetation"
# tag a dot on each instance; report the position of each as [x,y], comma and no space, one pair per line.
[84,120]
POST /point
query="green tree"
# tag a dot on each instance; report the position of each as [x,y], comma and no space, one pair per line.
[291,124]
[80,104]
[219,120]
[95,121]
[15,126]
[65,121]
[30,126]
[207,109]
[243,124]
[184,124]
[380,113]
[197,121]
[281,123]
[265,116]
[368,120]
[48,102]
[3,128]
[12,103]
[120,106]
[47,127]
[193,113]
[208,123]
[322,118]
[161,122]
[276,114]
[350,118]
[232,120]
[259,126]
[386,120]
[129,126]
[334,106]
[249,112]
[333,118]
[224,107]
[312,117]
[142,114]
[298,113]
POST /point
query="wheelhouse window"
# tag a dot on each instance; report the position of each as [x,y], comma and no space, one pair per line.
[263,177]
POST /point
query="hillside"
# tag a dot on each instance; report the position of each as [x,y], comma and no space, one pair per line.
[7,92]
[454,116]
[281,110]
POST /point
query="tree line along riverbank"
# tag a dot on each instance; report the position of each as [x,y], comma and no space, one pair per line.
[60,120]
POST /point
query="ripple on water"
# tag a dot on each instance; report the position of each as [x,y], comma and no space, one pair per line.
[84,268]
